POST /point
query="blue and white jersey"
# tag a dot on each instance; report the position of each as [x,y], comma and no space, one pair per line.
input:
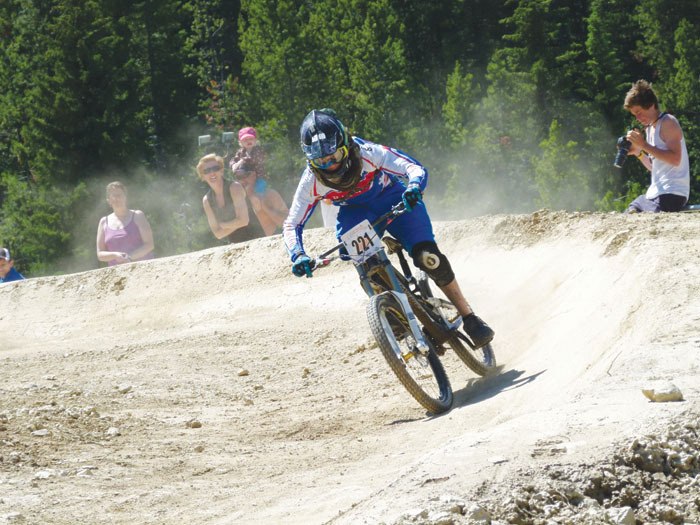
[382,167]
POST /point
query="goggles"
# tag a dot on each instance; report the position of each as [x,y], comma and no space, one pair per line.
[338,156]
[212,169]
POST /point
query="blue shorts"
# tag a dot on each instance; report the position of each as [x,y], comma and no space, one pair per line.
[409,229]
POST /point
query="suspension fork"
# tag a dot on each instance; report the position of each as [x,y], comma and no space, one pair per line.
[380,263]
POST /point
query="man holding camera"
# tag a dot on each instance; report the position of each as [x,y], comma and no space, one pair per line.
[661,150]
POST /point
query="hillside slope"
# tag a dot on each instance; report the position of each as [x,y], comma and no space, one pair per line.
[216,387]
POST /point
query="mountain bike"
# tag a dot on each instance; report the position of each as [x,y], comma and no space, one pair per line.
[412,327]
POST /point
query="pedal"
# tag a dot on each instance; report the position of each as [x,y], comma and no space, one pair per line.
[435,302]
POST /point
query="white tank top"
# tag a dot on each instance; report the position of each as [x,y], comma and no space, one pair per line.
[666,178]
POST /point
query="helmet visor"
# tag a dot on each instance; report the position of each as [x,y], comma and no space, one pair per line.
[324,163]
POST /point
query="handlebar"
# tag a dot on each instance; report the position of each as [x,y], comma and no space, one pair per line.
[324,259]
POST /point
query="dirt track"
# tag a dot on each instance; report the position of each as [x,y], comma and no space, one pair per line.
[214,387]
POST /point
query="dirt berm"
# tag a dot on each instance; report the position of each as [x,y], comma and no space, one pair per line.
[214,387]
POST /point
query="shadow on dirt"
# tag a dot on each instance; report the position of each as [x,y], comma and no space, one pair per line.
[411,420]
[482,388]
[479,389]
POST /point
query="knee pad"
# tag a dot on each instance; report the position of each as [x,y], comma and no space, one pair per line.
[432,261]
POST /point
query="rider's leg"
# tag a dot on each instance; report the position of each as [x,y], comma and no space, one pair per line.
[479,332]
[453,292]
[428,258]
[415,233]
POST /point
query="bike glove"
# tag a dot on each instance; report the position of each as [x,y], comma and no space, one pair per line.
[302,266]
[412,197]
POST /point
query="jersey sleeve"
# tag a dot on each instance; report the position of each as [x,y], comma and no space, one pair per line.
[300,211]
[397,163]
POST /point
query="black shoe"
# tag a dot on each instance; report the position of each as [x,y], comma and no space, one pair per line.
[478,331]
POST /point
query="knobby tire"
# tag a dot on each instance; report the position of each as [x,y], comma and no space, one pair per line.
[423,376]
[480,360]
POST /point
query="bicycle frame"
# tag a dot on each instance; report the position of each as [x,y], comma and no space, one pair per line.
[426,317]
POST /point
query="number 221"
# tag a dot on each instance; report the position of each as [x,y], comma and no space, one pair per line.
[362,244]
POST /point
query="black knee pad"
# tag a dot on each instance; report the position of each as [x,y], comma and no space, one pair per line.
[432,261]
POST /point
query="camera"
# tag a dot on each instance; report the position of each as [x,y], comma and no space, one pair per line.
[623,148]
[207,143]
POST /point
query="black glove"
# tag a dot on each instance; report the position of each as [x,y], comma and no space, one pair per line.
[302,266]
[412,197]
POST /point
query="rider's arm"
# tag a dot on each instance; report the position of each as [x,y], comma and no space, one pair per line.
[302,207]
[403,166]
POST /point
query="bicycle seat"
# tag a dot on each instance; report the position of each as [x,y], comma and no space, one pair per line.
[393,246]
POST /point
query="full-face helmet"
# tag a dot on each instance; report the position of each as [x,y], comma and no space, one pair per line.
[330,152]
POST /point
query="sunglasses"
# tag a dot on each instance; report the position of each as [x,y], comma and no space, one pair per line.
[338,156]
[211,169]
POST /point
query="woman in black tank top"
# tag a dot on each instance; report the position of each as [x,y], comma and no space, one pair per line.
[224,204]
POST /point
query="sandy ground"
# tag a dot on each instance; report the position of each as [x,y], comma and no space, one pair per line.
[215,387]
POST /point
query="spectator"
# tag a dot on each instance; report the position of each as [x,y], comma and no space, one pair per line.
[268,206]
[249,148]
[124,235]
[225,203]
[661,150]
[7,269]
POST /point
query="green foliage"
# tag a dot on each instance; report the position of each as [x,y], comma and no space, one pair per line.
[300,56]
[510,105]
[502,139]
[612,201]
[35,221]
[215,60]
[658,21]
[565,174]
[611,45]
[461,100]
[682,95]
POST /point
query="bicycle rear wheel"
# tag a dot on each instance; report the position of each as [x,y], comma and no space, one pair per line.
[422,375]
[480,360]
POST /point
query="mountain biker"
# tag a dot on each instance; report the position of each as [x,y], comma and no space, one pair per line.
[365,180]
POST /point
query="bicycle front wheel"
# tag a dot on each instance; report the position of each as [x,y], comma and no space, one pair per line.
[422,375]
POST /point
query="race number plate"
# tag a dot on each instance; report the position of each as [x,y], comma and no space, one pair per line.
[361,242]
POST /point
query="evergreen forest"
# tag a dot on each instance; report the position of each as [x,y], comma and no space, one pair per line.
[512,105]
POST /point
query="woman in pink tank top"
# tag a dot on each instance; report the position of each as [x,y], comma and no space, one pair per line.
[124,235]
